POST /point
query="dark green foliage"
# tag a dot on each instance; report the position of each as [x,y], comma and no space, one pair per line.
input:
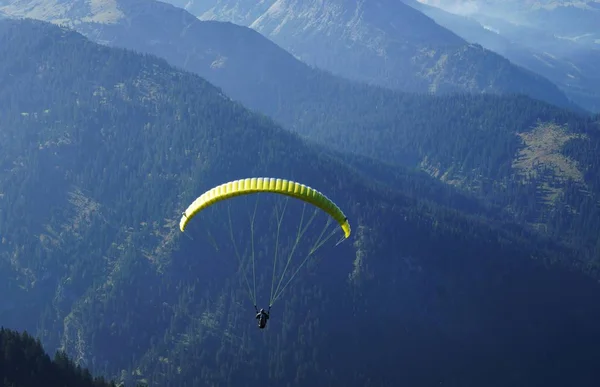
[24,363]
[471,140]
[101,151]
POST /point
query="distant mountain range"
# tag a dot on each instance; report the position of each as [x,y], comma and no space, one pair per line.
[567,57]
[576,20]
[385,43]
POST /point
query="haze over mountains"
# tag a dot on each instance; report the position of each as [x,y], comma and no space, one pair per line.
[576,20]
[412,53]
[474,253]
[386,43]
[559,40]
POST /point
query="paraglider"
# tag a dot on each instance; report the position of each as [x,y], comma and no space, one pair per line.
[257,185]
[262,318]
[283,187]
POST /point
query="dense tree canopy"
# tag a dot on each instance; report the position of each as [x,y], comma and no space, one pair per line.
[24,363]
[101,149]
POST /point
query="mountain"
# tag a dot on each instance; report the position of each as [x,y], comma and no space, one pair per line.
[386,43]
[346,115]
[412,54]
[565,61]
[537,162]
[573,20]
[579,22]
[25,363]
[101,150]
[247,66]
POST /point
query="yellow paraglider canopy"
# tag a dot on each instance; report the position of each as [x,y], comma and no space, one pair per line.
[265,184]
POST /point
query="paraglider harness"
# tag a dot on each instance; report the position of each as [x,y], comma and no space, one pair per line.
[262,316]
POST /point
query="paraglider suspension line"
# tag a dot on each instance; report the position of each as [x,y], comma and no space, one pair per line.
[279,221]
[301,232]
[320,242]
[250,294]
[252,237]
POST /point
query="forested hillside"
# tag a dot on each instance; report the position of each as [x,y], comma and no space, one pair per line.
[102,149]
[24,363]
[536,161]
[539,176]
[534,176]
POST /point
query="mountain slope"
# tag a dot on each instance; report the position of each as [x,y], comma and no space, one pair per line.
[325,108]
[533,160]
[247,66]
[571,20]
[410,52]
[568,64]
[96,169]
[386,43]
[25,363]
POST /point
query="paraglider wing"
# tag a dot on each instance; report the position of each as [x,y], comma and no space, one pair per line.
[272,185]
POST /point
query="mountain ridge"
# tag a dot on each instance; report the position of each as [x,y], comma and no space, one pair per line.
[563,61]
[302,98]
[290,101]
[368,31]
[97,168]
[411,57]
